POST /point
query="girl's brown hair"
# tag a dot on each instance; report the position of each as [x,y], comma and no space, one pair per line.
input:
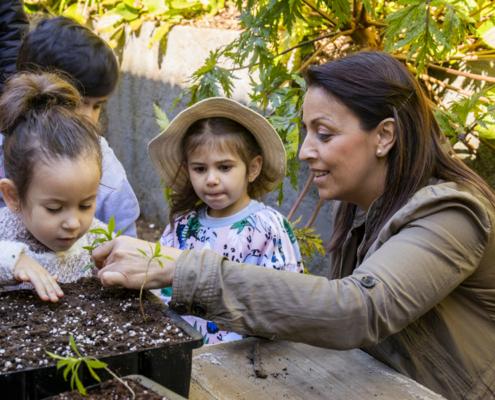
[39,121]
[228,136]
[375,86]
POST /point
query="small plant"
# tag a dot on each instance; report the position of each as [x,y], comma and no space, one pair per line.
[155,256]
[72,365]
[108,235]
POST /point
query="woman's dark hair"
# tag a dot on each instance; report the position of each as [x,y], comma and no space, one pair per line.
[375,86]
[226,135]
[63,44]
[39,121]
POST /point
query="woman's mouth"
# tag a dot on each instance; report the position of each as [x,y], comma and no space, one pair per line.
[319,176]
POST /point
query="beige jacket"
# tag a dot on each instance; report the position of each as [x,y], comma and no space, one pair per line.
[422,299]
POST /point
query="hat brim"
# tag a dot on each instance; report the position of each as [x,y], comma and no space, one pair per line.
[165,149]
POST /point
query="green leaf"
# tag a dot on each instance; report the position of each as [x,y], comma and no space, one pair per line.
[80,386]
[92,372]
[126,12]
[160,263]
[111,225]
[143,253]
[156,7]
[88,267]
[73,345]
[99,231]
[160,33]
[161,117]
[157,249]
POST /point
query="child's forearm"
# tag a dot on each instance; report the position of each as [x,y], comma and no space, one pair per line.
[10,253]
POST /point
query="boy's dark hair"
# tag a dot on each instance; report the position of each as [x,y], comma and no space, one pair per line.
[62,43]
[39,121]
[227,135]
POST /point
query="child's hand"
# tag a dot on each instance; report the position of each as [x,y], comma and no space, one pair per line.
[28,270]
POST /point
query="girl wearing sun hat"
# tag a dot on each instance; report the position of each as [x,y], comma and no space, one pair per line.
[220,157]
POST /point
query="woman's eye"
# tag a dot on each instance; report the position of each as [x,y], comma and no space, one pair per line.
[53,210]
[324,136]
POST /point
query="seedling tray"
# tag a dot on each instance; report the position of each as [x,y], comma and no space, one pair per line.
[147,383]
[168,365]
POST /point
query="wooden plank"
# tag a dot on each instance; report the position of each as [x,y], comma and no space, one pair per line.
[296,371]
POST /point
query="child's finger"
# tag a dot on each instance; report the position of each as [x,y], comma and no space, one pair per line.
[39,287]
[45,287]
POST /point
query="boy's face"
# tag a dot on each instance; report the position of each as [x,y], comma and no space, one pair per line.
[92,106]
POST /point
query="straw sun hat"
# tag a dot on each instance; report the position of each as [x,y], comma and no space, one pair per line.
[164,150]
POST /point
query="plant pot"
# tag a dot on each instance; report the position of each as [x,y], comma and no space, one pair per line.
[169,364]
[147,383]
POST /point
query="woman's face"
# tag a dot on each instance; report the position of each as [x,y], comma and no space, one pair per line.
[341,154]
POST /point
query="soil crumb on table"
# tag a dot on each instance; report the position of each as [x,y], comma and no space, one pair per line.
[113,390]
[103,321]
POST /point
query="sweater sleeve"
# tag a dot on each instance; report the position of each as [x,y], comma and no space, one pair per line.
[167,238]
[9,255]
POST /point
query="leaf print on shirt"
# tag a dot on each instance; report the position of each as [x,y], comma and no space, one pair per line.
[240,225]
[289,231]
[191,229]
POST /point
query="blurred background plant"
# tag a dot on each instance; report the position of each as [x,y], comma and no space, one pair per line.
[113,16]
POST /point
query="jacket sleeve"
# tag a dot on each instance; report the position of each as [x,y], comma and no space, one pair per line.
[13,26]
[411,272]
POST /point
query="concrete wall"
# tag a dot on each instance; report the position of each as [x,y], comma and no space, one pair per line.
[148,76]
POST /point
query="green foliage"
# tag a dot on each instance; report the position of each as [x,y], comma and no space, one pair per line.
[155,255]
[280,36]
[72,365]
[468,116]
[309,243]
[108,235]
[112,16]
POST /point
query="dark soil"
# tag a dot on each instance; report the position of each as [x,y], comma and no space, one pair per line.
[113,390]
[103,321]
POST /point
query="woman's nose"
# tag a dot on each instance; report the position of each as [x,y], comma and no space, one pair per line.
[307,151]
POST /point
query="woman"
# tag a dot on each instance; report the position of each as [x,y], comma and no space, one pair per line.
[412,271]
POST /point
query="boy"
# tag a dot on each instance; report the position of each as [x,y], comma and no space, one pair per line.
[63,44]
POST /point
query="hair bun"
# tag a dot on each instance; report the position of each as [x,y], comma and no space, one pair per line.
[26,95]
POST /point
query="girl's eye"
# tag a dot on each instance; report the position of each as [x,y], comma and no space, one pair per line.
[225,167]
[85,207]
[96,106]
[200,169]
[53,210]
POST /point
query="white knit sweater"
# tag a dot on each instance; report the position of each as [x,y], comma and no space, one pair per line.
[16,239]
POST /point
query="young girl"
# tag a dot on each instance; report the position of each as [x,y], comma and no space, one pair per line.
[219,156]
[53,170]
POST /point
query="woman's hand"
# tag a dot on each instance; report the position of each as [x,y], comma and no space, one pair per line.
[121,263]
[28,270]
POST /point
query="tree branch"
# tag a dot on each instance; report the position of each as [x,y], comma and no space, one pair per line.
[321,12]
[482,8]
[299,199]
[315,214]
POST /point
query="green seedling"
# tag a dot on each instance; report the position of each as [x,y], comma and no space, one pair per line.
[107,236]
[155,257]
[72,365]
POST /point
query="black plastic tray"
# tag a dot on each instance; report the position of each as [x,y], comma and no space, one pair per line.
[148,384]
[168,365]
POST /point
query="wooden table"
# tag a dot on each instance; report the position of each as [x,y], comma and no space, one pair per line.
[296,371]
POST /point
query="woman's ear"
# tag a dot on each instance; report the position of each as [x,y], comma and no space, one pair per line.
[386,136]
[10,195]
[255,168]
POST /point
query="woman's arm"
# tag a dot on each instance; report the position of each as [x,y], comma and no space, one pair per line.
[411,272]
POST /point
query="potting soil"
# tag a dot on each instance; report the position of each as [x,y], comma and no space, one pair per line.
[103,321]
[113,390]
